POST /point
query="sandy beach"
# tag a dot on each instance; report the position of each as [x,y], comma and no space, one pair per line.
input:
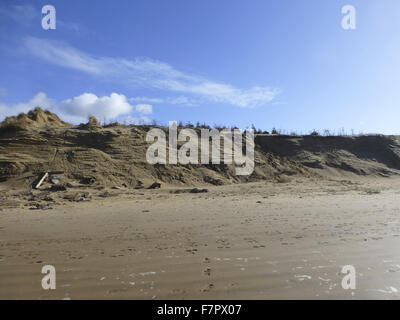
[164,151]
[249,241]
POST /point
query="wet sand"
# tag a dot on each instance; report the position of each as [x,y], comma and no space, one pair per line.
[248,241]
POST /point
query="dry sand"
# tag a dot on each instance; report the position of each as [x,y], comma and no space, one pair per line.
[248,241]
[312,205]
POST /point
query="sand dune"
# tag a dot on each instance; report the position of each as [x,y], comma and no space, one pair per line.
[115,155]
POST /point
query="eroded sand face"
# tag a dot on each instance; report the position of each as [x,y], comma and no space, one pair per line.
[248,241]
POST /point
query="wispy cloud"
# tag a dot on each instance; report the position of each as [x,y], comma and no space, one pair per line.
[144,108]
[72,26]
[26,14]
[181,100]
[148,73]
[20,13]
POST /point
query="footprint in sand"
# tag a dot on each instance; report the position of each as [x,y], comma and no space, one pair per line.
[207,271]
[258,246]
[192,251]
[178,291]
[223,244]
[206,260]
[208,287]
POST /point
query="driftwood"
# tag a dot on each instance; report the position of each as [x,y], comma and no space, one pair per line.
[56,172]
[41,180]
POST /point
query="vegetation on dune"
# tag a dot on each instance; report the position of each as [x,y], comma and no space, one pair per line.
[39,117]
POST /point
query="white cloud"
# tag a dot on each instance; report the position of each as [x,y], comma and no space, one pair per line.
[39,100]
[107,107]
[144,108]
[148,73]
[77,109]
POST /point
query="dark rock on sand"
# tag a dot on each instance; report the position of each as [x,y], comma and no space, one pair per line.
[139,185]
[57,188]
[155,185]
[196,190]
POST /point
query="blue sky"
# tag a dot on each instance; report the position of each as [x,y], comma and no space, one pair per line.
[275,63]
